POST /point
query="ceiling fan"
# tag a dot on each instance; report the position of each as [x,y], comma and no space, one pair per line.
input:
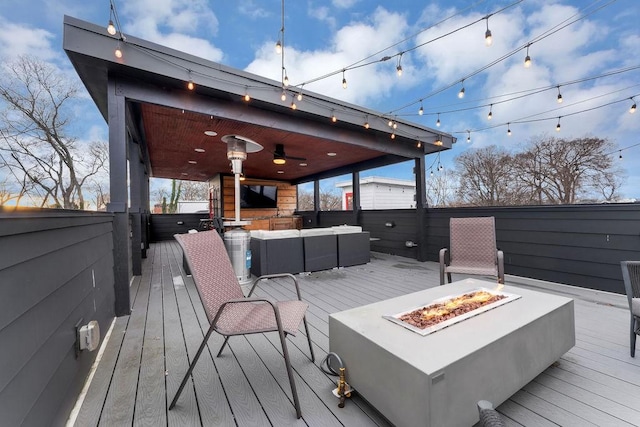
[280,158]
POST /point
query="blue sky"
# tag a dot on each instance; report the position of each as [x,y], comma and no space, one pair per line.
[322,37]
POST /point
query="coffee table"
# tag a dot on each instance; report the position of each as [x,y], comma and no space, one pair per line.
[437,379]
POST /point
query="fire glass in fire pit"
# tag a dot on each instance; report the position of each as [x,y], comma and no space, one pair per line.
[446,311]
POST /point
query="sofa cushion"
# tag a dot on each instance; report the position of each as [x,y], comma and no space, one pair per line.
[279,234]
[635,306]
[306,232]
[346,229]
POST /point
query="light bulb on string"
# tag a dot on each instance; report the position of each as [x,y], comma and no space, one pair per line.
[620,156]
[399,66]
[333,117]
[558,125]
[431,172]
[293,105]
[111,29]
[527,59]
[246,97]
[299,96]
[559,98]
[488,38]
[118,51]
[509,129]
[421,110]
[490,115]
[468,136]
[278,47]
[393,135]
[390,123]
[438,121]
[461,93]
[283,97]
[190,84]
[633,107]
[419,144]
[285,81]
[344,81]
[366,124]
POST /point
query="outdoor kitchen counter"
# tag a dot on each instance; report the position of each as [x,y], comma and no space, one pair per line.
[436,380]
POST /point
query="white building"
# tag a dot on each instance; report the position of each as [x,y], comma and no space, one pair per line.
[380,193]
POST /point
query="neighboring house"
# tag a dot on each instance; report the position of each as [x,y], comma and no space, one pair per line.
[192,206]
[380,193]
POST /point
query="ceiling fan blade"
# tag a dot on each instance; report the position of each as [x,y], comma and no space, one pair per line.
[295,158]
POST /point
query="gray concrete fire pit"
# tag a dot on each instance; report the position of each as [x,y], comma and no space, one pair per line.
[437,379]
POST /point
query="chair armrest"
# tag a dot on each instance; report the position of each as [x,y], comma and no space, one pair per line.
[443,257]
[275,276]
[244,301]
[500,267]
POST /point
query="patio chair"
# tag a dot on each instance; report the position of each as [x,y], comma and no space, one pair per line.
[489,417]
[472,249]
[631,277]
[231,313]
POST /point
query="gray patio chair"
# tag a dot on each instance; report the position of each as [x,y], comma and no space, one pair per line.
[631,278]
[472,249]
[489,417]
[231,313]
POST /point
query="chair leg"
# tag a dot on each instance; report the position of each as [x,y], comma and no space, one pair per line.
[633,337]
[449,277]
[191,366]
[306,328]
[287,362]
[223,345]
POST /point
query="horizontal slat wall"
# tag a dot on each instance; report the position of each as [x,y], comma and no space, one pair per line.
[580,245]
[56,270]
[164,226]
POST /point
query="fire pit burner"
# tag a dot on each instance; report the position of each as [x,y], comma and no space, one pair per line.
[446,311]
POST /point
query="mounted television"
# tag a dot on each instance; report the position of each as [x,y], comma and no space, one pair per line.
[258,196]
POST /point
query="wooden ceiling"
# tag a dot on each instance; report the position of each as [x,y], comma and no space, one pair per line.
[174,135]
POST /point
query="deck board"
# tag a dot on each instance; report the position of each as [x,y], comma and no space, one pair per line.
[595,383]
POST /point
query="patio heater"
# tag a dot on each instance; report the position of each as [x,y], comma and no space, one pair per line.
[237,240]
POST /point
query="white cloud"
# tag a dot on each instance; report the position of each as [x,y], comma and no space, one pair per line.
[179,24]
[17,39]
[322,14]
[251,9]
[350,43]
[344,4]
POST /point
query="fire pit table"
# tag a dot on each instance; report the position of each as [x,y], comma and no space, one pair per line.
[436,378]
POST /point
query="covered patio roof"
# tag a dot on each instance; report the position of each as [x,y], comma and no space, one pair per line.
[168,121]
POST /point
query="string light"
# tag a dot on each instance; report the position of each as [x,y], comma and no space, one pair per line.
[366,123]
[438,140]
[620,156]
[419,144]
[438,121]
[293,105]
[111,29]
[488,39]
[333,117]
[461,93]
[421,110]
[285,81]
[527,59]
[278,47]
[399,66]
[633,107]
[190,84]
[468,136]
[344,81]
[300,95]
[393,135]
[559,96]
[509,129]
[118,51]
[431,173]
[283,97]
[558,125]
[390,123]
[246,97]
[395,125]
[490,115]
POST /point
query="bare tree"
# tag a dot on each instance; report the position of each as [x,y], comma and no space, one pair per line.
[37,105]
[195,190]
[305,200]
[440,187]
[561,171]
[330,199]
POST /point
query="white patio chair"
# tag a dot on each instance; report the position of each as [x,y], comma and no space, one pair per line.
[231,313]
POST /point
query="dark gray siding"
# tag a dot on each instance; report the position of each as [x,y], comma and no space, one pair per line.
[580,245]
[164,226]
[56,270]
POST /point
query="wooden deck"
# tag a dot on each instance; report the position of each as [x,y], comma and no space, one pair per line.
[595,383]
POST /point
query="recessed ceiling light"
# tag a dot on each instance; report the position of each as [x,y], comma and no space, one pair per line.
[184,173]
[280,171]
[303,164]
[199,150]
[210,133]
[331,154]
[193,162]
